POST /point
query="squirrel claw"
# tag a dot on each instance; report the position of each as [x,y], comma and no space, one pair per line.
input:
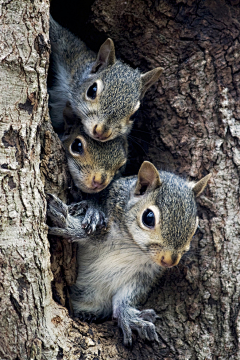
[78,208]
[93,219]
[148,315]
[128,343]
[142,321]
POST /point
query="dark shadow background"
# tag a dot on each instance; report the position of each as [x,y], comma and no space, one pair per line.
[77,16]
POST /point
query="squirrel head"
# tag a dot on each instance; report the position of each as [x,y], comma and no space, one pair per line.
[109,94]
[162,213]
[92,164]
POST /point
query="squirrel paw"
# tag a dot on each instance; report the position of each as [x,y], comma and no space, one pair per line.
[79,208]
[141,321]
[63,224]
[57,211]
[93,218]
[149,315]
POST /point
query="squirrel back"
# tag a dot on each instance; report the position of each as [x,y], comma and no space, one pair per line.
[103,91]
[152,219]
[92,164]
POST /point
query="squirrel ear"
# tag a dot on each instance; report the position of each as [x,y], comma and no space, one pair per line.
[68,115]
[105,57]
[200,185]
[148,179]
[149,78]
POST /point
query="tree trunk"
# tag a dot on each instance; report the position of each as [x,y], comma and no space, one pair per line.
[189,123]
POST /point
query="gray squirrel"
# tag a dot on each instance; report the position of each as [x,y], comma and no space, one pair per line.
[104,92]
[152,218]
[92,164]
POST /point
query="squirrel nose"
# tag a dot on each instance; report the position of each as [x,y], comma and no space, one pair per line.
[97,182]
[166,262]
[166,258]
[100,133]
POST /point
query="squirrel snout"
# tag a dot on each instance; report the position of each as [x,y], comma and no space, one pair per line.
[98,182]
[166,259]
[100,133]
[166,263]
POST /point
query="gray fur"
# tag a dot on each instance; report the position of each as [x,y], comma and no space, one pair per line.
[75,69]
[98,159]
[117,267]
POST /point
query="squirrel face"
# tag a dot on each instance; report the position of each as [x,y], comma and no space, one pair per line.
[104,92]
[92,164]
[162,214]
[109,94]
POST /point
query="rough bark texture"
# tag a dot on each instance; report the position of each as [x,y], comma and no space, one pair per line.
[189,123]
[25,292]
[192,117]
[32,325]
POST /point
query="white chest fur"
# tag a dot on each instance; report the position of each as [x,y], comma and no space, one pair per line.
[107,266]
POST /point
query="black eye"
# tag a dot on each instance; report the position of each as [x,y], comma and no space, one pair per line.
[148,218]
[92,91]
[77,146]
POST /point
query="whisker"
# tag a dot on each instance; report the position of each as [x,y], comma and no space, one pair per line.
[142,131]
[147,142]
[135,141]
[142,140]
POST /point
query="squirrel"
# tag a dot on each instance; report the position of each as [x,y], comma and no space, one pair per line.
[103,91]
[92,164]
[152,219]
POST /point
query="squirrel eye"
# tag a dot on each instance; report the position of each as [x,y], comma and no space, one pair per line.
[148,218]
[77,146]
[92,91]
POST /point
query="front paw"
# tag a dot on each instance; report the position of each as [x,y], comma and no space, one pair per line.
[141,321]
[93,219]
[57,211]
[63,224]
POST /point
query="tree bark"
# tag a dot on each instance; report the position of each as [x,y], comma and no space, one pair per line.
[193,119]
[189,123]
